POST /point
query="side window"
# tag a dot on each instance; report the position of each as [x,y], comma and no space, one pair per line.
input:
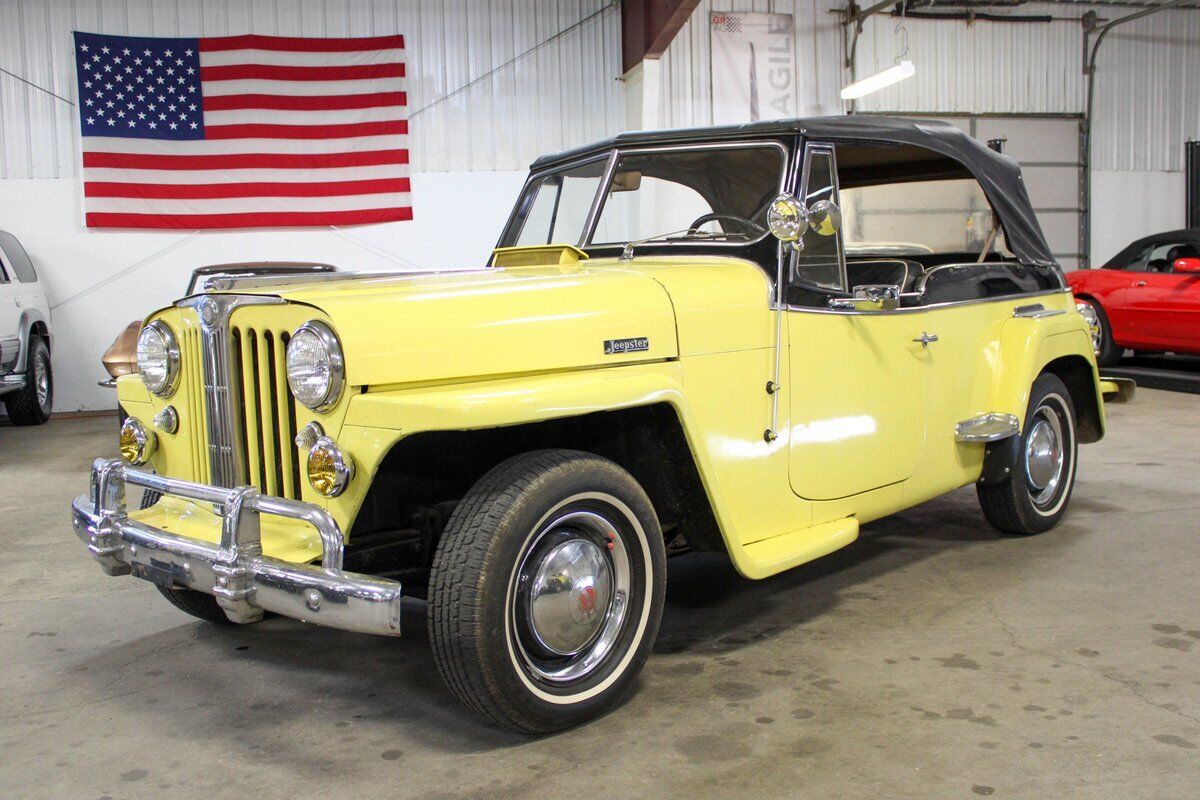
[3,271]
[16,257]
[1162,258]
[819,262]
[560,206]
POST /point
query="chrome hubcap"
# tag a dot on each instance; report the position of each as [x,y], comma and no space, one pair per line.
[41,380]
[1044,456]
[571,596]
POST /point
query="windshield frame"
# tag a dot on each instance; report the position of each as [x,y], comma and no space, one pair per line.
[516,222]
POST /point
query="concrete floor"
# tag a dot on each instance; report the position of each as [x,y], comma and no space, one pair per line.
[931,659]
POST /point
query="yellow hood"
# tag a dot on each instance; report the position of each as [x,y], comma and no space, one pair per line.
[436,327]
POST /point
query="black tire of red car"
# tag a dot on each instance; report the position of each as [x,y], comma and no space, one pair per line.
[1034,496]
[198,604]
[547,590]
[1107,354]
[31,405]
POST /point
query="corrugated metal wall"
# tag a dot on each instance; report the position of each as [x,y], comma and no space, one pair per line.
[686,85]
[563,94]
[1146,104]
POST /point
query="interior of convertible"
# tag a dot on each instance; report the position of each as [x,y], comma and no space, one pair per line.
[911,218]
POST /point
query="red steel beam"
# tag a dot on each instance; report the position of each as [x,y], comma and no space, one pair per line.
[648,26]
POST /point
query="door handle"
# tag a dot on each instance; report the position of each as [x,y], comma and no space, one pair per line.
[1140,283]
[926,338]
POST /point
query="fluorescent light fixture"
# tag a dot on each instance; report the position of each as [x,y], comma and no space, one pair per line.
[879,80]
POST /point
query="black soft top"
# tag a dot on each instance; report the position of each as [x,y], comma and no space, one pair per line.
[999,175]
[1127,253]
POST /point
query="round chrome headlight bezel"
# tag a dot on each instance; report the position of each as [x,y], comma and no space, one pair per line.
[163,385]
[330,468]
[136,443]
[325,395]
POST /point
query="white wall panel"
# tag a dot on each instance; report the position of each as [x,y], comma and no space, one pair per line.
[981,68]
[1146,102]
[686,83]
[563,94]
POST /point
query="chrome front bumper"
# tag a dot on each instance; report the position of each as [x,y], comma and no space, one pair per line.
[244,581]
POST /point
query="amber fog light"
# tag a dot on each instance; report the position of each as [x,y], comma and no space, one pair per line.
[137,443]
[329,469]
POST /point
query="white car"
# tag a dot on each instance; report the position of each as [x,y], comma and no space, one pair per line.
[26,381]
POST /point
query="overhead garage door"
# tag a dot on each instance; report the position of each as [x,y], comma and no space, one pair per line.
[1047,148]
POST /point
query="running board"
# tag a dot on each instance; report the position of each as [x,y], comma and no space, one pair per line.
[771,556]
[987,428]
[11,383]
[1117,390]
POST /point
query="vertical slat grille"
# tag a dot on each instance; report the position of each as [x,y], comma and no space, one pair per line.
[266,411]
[193,394]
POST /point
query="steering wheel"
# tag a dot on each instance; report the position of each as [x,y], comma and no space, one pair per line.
[742,221]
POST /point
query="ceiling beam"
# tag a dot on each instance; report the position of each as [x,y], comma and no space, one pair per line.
[648,26]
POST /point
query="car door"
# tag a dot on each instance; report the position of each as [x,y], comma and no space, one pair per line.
[857,379]
[1161,308]
[9,316]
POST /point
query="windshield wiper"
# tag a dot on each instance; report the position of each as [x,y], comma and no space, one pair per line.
[686,234]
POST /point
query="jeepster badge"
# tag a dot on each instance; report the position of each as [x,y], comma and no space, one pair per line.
[613,347]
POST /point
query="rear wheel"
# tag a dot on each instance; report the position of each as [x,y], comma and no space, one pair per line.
[1034,496]
[1107,352]
[32,404]
[547,590]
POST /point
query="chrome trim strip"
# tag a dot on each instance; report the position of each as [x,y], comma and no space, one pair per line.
[987,428]
[222,388]
[593,215]
[932,306]
[244,581]
[1036,311]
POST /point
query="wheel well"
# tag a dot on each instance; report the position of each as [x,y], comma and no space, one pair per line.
[422,478]
[1076,373]
[39,329]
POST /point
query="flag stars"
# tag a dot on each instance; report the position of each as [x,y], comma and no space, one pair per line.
[193,126]
[188,53]
[104,50]
[173,126]
[84,48]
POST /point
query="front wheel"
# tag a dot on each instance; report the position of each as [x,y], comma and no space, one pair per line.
[1034,496]
[546,590]
[33,403]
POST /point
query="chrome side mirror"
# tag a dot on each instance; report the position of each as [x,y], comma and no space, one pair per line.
[825,218]
[786,218]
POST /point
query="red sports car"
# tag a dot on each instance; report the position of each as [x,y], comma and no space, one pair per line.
[1147,297]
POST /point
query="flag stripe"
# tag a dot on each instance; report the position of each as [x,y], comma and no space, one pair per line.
[247,205]
[245,160]
[223,58]
[215,132]
[236,176]
[279,219]
[305,103]
[234,72]
[298,44]
[209,191]
[298,88]
[219,147]
[253,116]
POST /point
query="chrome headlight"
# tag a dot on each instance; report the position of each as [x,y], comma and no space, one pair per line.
[316,371]
[158,358]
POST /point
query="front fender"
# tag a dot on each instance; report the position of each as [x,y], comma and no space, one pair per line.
[376,421]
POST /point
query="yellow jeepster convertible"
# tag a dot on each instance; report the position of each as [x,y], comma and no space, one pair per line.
[751,340]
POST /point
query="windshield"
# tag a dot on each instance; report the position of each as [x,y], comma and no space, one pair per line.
[698,194]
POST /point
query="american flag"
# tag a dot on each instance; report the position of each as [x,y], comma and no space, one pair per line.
[242,131]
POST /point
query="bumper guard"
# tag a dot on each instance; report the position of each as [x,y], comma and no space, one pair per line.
[244,581]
